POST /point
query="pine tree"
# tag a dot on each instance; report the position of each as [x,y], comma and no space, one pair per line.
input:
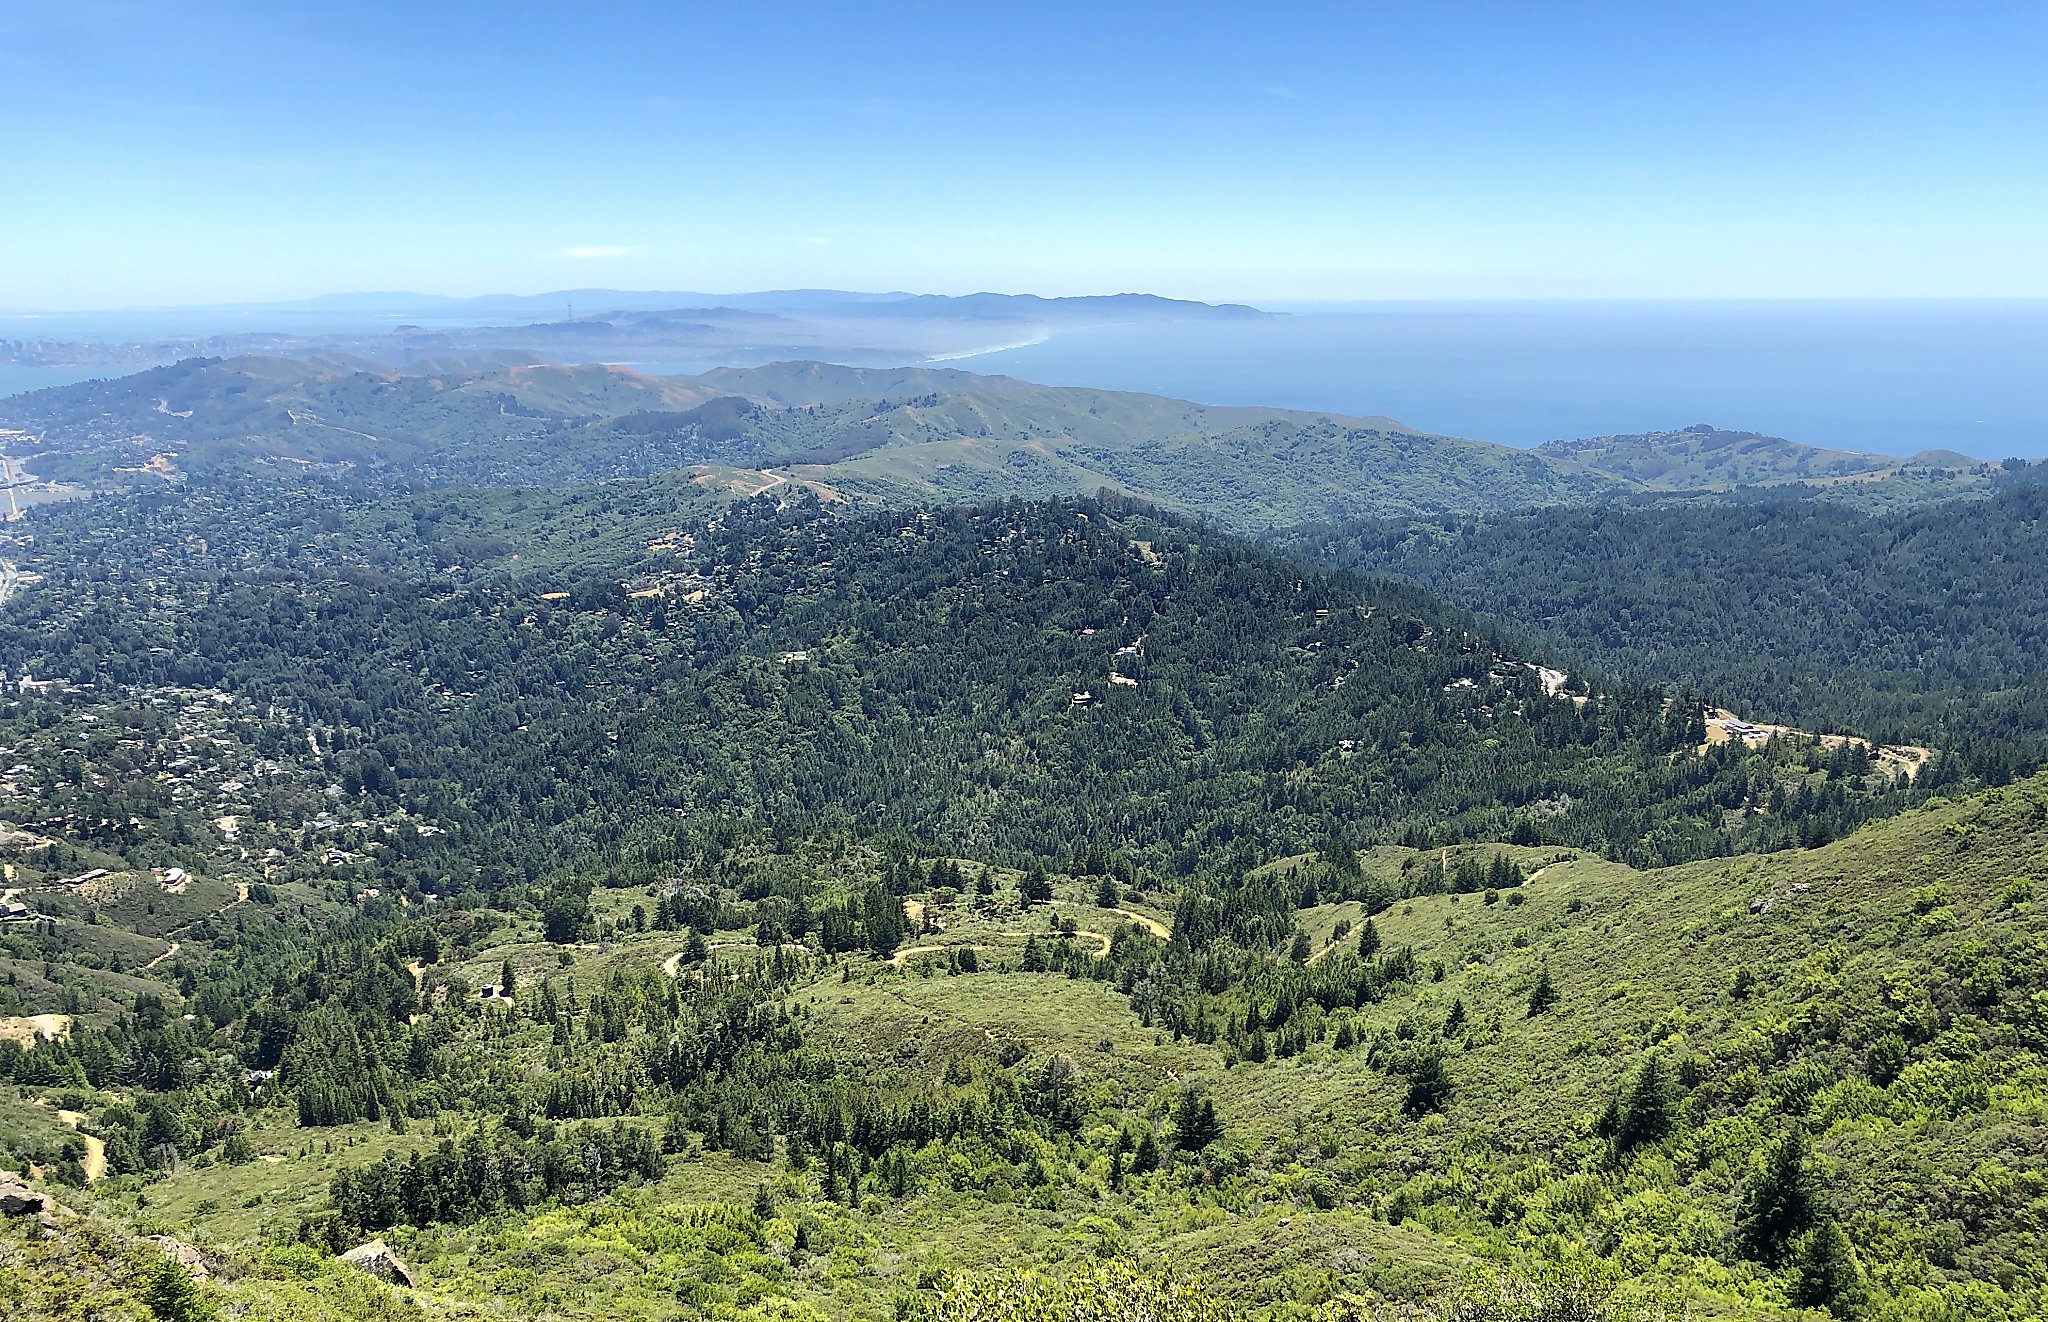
[1644,1110]
[1825,1274]
[1429,1082]
[1543,995]
[171,1294]
[1195,1125]
[1781,1201]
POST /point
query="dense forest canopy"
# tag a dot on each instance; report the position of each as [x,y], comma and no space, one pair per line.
[1926,624]
[919,671]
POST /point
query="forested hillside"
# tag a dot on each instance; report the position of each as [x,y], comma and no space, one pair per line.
[1925,625]
[922,671]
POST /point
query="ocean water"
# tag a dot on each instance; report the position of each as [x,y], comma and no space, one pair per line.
[1886,377]
[16,380]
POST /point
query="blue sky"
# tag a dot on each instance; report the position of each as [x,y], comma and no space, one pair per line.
[210,151]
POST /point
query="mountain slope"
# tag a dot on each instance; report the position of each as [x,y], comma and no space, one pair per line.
[1920,624]
[1885,999]
[951,641]
[893,435]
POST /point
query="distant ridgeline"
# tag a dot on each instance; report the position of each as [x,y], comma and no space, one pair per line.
[893,436]
[616,326]
[1596,551]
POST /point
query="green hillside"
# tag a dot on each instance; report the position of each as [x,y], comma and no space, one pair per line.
[759,885]
[879,435]
[1706,458]
[1703,456]
[1869,1016]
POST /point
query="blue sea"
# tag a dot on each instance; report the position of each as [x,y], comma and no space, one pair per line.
[1885,377]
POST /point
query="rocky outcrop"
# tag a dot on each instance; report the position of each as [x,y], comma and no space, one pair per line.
[17,1199]
[194,1260]
[378,1260]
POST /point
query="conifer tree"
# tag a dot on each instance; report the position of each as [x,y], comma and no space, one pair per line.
[1644,1109]
[1429,1082]
[1145,1159]
[1195,1125]
[1825,1274]
[1781,1201]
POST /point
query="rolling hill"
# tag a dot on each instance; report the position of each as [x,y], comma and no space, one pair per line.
[1696,1083]
[881,435]
[1703,458]
[893,436]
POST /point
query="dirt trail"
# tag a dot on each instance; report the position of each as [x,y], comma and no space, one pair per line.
[175,947]
[1152,925]
[1096,936]
[902,957]
[95,1162]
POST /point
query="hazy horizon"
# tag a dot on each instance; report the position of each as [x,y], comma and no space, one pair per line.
[1278,305]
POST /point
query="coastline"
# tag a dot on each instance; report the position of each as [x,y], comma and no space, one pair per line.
[1041,338]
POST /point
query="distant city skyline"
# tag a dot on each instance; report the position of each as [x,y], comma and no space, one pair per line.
[233,152]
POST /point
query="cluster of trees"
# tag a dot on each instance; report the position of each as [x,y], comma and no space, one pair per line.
[485,1172]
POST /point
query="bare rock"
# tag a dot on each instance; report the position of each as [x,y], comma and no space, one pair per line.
[192,1258]
[378,1260]
[17,1199]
